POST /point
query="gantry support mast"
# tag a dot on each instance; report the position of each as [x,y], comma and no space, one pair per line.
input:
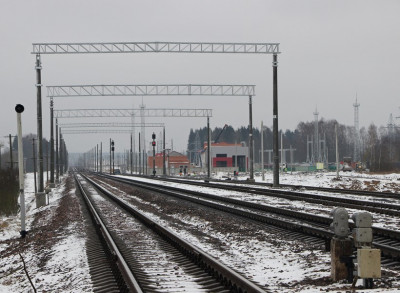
[155,90]
[168,47]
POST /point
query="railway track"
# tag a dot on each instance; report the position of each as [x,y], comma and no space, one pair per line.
[157,259]
[309,224]
[391,209]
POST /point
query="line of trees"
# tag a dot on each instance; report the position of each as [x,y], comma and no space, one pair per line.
[379,147]
[27,141]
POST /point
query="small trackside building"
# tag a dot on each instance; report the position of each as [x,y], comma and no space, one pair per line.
[175,163]
[227,155]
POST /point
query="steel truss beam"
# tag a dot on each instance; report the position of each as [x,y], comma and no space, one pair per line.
[94,131]
[110,124]
[150,90]
[155,47]
[78,113]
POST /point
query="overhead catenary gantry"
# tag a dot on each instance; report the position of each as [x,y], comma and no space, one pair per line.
[148,112]
[159,47]
[94,113]
[155,47]
[163,90]
[151,90]
[108,124]
[111,127]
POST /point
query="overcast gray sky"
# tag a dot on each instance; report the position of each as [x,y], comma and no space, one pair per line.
[331,50]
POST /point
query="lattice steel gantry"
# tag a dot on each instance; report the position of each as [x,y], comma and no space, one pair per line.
[155,90]
[356,106]
[165,47]
[79,113]
[150,90]
[155,47]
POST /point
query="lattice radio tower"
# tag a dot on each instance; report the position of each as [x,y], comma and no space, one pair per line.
[356,105]
[317,157]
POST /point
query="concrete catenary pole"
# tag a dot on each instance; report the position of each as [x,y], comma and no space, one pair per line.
[51,185]
[34,164]
[19,109]
[131,156]
[140,157]
[57,153]
[61,154]
[275,121]
[251,138]
[208,148]
[164,167]
[282,150]
[97,157]
[11,152]
[39,123]
[337,152]
[101,157]
[262,151]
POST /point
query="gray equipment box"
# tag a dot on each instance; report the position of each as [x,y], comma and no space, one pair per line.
[362,219]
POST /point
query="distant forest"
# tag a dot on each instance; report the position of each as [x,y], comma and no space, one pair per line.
[27,141]
[379,147]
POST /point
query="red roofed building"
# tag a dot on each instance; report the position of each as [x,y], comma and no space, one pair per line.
[173,160]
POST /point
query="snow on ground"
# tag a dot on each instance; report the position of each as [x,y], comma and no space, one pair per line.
[274,263]
[51,267]
[319,179]
[67,262]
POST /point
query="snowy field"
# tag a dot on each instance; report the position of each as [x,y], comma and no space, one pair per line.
[66,260]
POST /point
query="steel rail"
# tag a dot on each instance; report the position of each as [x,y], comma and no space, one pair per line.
[182,194]
[380,194]
[323,232]
[129,279]
[382,208]
[229,277]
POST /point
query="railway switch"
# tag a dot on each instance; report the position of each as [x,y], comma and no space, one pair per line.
[340,224]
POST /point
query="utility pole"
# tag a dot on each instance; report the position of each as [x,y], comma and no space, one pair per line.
[208,149]
[140,157]
[47,164]
[275,121]
[61,155]
[337,152]
[251,139]
[11,153]
[51,185]
[57,155]
[262,151]
[164,168]
[131,156]
[282,150]
[39,129]
[34,163]
[101,157]
[97,158]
